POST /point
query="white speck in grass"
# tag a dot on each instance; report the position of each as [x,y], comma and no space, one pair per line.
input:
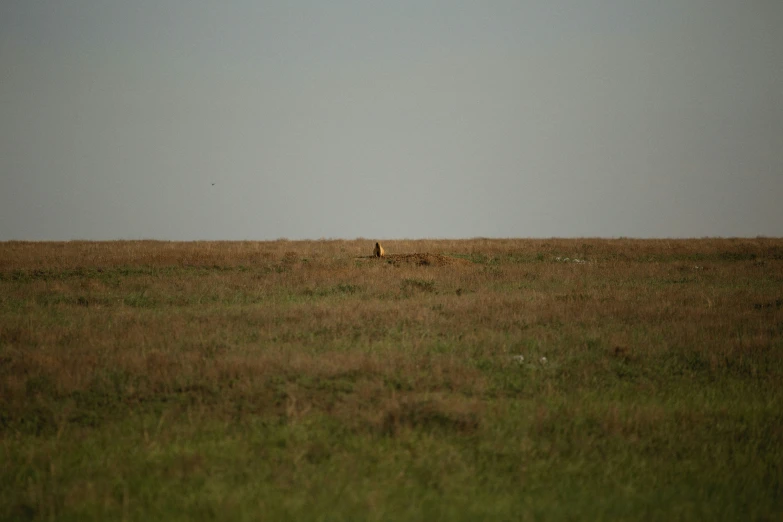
[569,260]
[518,358]
[543,360]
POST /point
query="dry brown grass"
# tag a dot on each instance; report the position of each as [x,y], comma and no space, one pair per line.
[155,308]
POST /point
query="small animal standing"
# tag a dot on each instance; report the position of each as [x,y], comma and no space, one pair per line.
[378,251]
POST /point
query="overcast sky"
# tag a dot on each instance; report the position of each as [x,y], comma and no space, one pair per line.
[249,119]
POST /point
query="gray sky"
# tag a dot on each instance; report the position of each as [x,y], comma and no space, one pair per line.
[402,119]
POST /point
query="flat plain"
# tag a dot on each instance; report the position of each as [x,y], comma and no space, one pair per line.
[480,379]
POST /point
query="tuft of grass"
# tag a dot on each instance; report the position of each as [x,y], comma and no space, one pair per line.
[417,284]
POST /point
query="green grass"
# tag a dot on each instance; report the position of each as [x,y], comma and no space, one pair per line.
[293,381]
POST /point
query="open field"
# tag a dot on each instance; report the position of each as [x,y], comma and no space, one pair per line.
[294,380]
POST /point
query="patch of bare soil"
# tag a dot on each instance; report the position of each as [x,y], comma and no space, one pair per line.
[423,259]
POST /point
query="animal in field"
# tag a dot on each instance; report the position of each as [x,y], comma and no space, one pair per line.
[378,251]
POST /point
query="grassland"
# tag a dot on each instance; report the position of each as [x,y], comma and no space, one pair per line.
[302,381]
